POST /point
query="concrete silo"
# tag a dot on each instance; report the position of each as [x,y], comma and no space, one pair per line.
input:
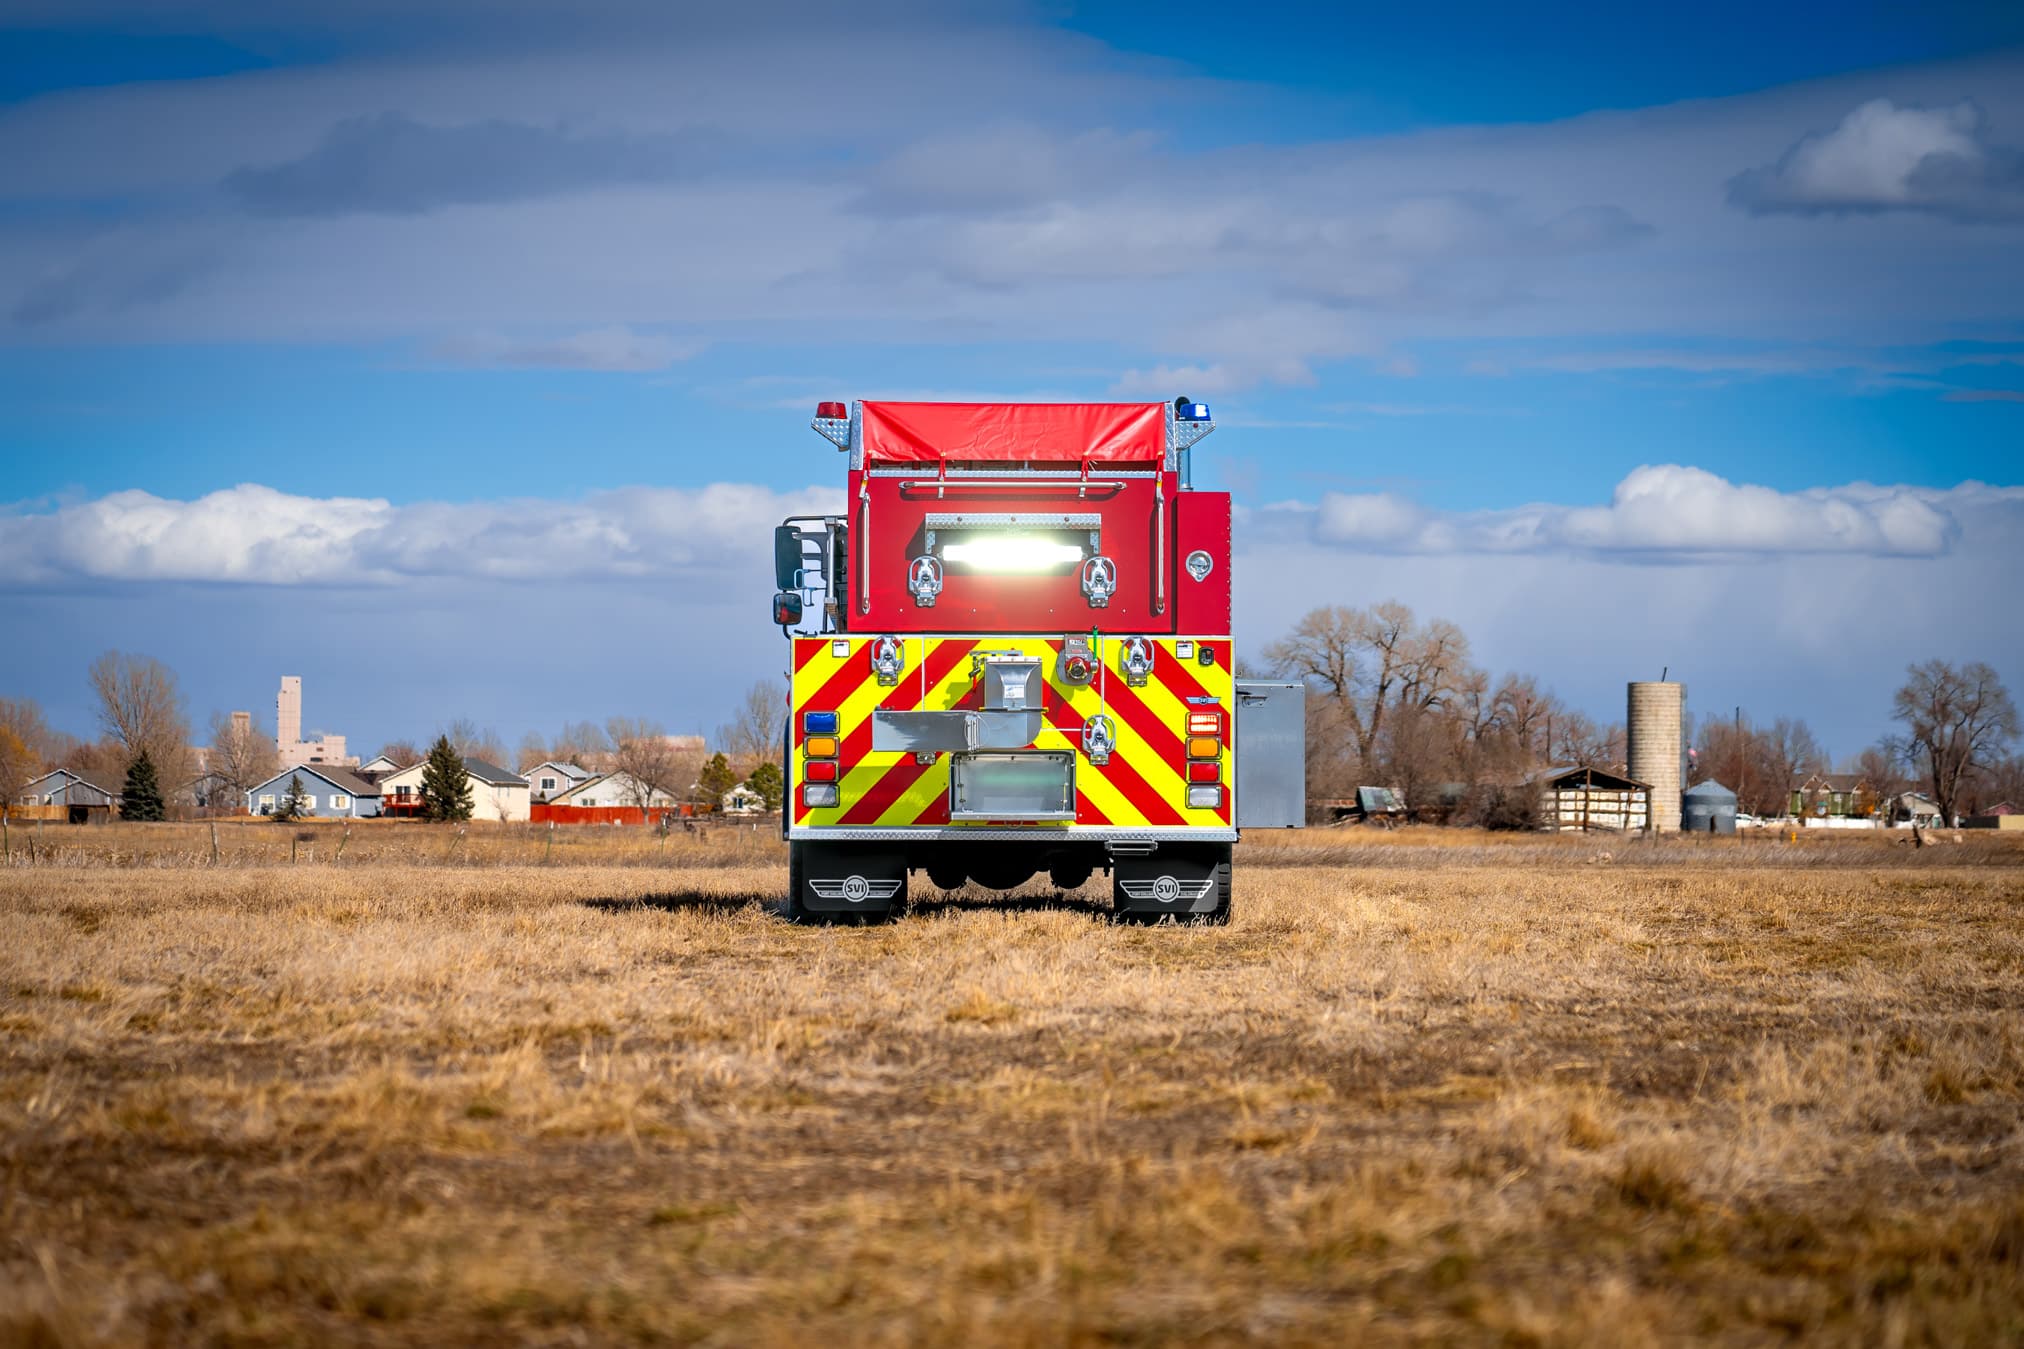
[1657,711]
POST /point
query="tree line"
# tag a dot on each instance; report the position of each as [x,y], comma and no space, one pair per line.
[1395,701]
[145,748]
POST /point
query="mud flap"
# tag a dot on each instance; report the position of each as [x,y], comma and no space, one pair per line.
[842,879]
[1177,880]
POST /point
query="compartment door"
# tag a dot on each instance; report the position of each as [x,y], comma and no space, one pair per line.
[1271,754]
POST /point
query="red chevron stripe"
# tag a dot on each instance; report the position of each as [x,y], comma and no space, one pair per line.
[1181,681]
[1156,809]
[807,649]
[1162,739]
[879,797]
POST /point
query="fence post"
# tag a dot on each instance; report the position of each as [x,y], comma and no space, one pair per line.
[6,837]
[340,846]
[549,856]
[293,843]
[214,843]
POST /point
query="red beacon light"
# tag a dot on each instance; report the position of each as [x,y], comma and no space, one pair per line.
[831,411]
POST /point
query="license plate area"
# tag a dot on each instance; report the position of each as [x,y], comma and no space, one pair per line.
[1037,785]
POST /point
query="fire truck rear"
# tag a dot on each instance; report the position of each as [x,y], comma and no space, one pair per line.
[1011,655]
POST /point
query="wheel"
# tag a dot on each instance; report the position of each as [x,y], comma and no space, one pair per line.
[1069,875]
[1187,884]
[843,883]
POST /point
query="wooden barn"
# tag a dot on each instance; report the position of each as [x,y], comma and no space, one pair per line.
[1591,798]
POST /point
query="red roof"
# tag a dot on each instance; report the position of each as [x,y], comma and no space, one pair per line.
[1050,432]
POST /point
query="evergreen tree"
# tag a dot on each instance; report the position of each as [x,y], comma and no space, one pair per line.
[717,778]
[141,797]
[293,801]
[766,781]
[446,788]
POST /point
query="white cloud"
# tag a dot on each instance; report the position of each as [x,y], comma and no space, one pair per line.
[617,347]
[255,535]
[1884,157]
[1662,512]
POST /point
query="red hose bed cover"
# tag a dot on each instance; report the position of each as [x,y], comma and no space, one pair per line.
[1055,432]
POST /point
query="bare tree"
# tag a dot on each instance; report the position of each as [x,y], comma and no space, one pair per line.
[241,755]
[756,733]
[403,752]
[1789,754]
[18,767]
[532,753]
[1368,660]
[23,716]
[643,751]
[140,705]
[472,743]
[1955,720]
[580,743]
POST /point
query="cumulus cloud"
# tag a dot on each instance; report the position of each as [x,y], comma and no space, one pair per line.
[1662,512]
[1887,157]
[617,347]
[391,164]
[255,535]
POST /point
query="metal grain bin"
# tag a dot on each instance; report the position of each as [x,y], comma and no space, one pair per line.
[1708,808]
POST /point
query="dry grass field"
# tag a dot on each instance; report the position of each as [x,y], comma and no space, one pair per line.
[1426,1086]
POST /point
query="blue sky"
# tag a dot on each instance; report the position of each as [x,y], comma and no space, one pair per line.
[334,334]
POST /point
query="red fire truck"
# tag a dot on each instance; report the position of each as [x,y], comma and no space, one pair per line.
[1010,655]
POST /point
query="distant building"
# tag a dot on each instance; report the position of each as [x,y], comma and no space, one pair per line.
[742,800]
[548,781]
[1590,798]
[328,793]
[1832,796]
[64,795]
[615,789]
[288,741]
[495,793]
[378,767]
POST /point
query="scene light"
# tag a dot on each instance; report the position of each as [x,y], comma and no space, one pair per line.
[1204,798]
[1012,553]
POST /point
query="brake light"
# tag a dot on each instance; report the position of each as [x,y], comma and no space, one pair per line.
[1205,723]
[1210,771]
[821,770]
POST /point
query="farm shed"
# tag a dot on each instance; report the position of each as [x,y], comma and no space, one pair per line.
[1580,798]
[65,796]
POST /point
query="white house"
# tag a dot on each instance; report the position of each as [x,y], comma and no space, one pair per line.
[742,800]
[615,789]
[495,793]
[378,766]
[550,780]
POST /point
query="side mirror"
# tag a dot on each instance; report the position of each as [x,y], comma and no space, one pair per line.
[787,608]
[786,557]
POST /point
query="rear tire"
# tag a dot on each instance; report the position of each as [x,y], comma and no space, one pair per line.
[797,878]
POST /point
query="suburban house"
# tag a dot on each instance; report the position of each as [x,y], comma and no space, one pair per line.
[742,800]
[377,767]
[2002,815]
[64,795]
[328,793]
[1833,796]
[495,793]
[550,780]
[616,789]
[1911,808]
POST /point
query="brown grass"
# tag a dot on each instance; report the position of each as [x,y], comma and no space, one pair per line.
[1470,1088]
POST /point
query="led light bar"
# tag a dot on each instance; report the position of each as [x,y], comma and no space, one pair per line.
[819,723]
[1205,723]
[1012,553]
